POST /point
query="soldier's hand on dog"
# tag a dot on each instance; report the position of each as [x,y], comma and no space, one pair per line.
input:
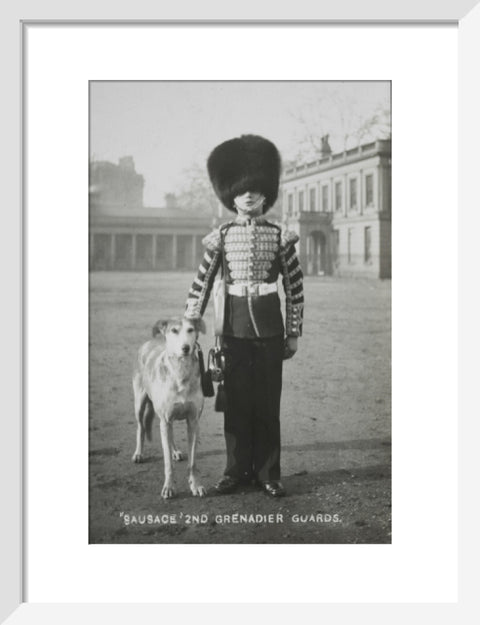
[291,346]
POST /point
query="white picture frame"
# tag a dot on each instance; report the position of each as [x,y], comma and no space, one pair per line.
[465,17]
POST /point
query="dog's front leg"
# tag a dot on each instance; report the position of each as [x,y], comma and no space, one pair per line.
[193,477]
[140,401]
[166,432]
[138,454]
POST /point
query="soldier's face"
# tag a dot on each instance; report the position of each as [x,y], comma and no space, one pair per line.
[250,203]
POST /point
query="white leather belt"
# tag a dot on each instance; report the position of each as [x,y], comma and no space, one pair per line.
[242,290]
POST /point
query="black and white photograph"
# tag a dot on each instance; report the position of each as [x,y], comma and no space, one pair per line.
[240,312]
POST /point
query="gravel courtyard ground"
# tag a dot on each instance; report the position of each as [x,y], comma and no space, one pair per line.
[336,425]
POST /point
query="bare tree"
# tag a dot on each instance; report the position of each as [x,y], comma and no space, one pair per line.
[375,126]
[336,112]
[196,192]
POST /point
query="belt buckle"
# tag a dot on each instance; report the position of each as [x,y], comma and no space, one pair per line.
[252,289]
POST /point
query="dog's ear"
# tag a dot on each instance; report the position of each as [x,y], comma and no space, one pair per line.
[200,326]
[159,328]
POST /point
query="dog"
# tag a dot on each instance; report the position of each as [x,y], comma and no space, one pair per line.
[167,383]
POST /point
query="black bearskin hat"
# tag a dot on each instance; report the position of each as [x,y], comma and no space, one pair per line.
[247,163]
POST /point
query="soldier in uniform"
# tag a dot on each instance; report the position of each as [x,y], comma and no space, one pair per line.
[253,253]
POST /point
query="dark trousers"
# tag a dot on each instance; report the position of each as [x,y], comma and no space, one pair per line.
[253,385]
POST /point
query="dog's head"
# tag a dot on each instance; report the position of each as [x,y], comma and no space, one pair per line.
[180,334]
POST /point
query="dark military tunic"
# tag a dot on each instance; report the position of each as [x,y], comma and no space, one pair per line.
[257,252]
[253,253]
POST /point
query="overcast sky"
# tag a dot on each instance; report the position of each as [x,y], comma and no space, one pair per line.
[168,126]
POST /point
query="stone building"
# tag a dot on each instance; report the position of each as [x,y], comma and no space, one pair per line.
[340,206]
[116,185]
[125,235]
[147,239]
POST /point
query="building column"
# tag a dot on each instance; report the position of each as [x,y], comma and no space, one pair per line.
[174,251]
[154,251]
[303,251]
[379,189]
[347,196]
[92,250]
[134,252]
[317,255]
[194,251]
[360,193]
[112,250]
[384,190]
[331,250]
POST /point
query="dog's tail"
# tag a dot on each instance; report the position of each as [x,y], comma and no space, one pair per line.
[147,418]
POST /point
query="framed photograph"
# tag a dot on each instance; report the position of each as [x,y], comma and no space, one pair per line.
[158,241]
[117,120]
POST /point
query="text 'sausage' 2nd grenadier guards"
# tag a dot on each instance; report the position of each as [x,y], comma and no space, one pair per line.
[253,254]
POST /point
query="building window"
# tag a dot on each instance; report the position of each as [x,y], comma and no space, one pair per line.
[353,194]
[336,243]
[290,204]
[312,200]
[368,244]
[300,201]
[369,190]
[338,196]
[349,246]
[325,198]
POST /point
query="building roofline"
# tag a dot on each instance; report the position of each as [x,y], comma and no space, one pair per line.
[332,161]
[120,211]
[141,220]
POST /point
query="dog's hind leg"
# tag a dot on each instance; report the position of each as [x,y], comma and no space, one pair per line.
[142,404]
[176,453]
[166,432]
[193,477]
